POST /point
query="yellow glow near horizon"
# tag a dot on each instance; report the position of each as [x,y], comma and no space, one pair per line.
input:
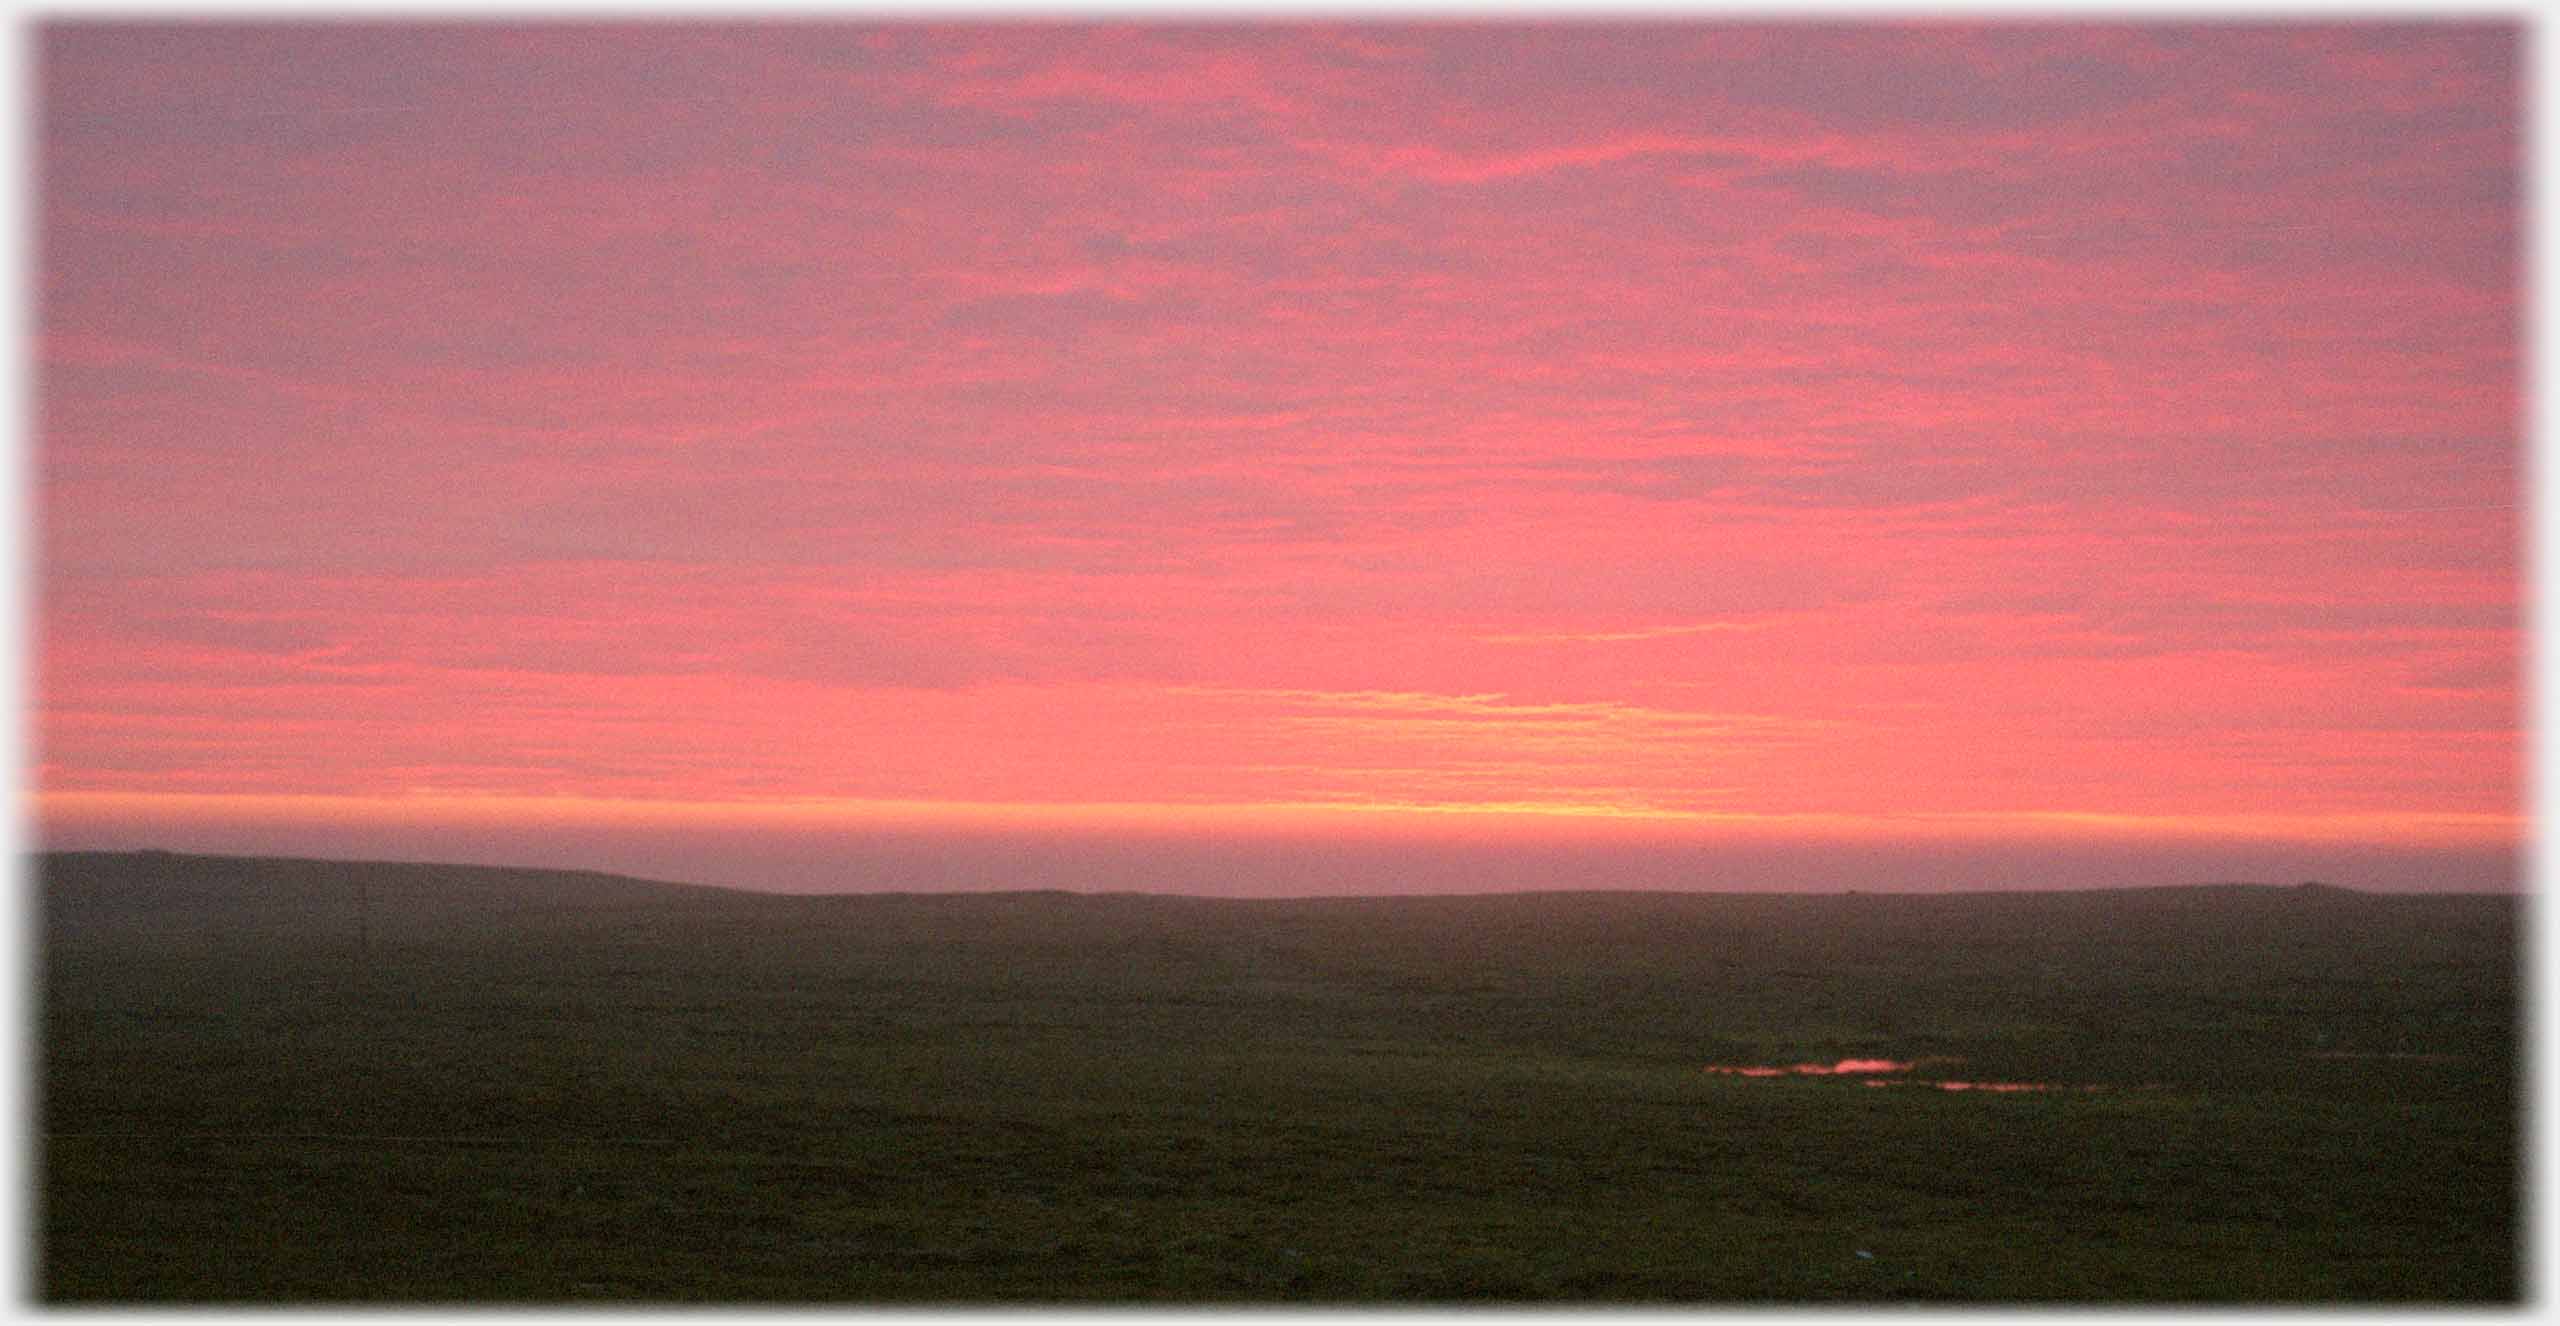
[1505,818]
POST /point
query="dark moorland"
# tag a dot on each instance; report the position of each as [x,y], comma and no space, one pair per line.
[281,1081]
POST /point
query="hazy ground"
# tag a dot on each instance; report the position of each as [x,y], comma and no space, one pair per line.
[272,1080]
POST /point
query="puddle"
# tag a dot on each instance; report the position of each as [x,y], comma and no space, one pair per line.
[1873,1071]
[1843,1068]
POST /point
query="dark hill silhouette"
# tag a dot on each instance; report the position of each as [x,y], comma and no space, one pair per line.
[189,883]
[158,880]
[265,903]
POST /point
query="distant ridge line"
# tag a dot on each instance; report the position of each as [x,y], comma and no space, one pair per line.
[151,854]
[575,872]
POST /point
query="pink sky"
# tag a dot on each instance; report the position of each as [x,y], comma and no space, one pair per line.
[1843,431]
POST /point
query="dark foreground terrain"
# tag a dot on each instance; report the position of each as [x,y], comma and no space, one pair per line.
[272,1080]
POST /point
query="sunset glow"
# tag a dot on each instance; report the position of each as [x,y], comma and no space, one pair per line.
[1944,433]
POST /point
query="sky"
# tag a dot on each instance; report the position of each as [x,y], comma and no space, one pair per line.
[1305,457]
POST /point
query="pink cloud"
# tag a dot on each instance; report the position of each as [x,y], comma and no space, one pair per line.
[1964,418]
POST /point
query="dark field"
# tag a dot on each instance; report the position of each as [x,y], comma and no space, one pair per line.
[260,1082]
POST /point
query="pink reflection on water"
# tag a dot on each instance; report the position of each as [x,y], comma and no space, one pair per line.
[1870,1069]
[1845,1067]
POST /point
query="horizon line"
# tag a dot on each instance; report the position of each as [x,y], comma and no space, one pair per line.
[2299,886]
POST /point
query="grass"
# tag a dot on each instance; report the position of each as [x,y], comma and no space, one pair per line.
[262,1083]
